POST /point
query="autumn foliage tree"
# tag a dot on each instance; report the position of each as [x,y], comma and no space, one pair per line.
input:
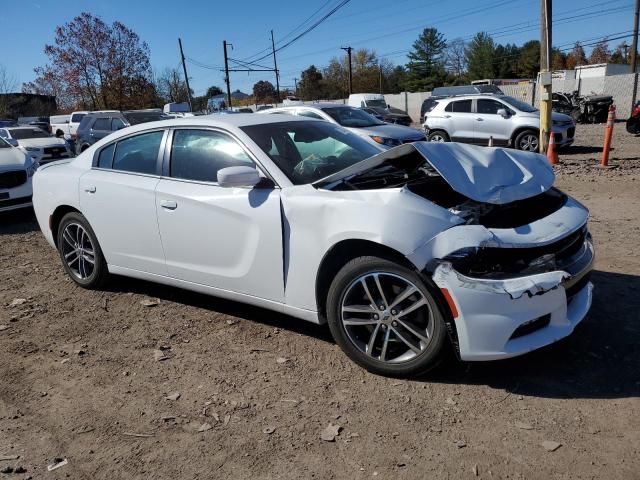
[97,66]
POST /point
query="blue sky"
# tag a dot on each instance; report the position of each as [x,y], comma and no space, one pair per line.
[387,26]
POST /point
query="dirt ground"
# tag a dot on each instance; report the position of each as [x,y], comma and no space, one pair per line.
[79,378]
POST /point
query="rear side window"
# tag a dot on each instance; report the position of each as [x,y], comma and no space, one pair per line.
[77,117]
[84,123]
[428,105]
[138,154]
[105,158]
[200,154]
[461,106]
[310,114]
[102,124]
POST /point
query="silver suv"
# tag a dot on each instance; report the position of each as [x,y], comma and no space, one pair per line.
[476,118]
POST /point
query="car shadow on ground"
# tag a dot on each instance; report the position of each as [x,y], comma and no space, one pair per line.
[601,359]
[219,305]
[581,149]
[18,221]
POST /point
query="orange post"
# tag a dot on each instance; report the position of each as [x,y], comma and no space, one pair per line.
[608,133]
[552,155]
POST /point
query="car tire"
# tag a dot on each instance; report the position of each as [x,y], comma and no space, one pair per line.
[385,341]
[527,140]
[438,136]
[80,252]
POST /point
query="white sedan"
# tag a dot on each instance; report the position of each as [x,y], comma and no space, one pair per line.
[16,171]
[399,251]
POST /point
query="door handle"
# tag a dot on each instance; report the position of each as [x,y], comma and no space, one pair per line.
[447,116]
[168,204]
[480,119]
[90,189]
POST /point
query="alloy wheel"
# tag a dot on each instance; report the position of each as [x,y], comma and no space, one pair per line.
[529,143]
[77,251]
[436,138]
[387,317]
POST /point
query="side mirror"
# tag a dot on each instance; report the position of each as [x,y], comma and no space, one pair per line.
[238,177]
[503,113]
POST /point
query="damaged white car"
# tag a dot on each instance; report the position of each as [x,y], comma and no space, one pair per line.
[399,251]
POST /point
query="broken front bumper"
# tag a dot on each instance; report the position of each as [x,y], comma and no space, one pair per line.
[504,318]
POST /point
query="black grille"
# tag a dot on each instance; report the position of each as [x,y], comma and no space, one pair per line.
[15,201]
[532,326]
[571,132]
[13,179]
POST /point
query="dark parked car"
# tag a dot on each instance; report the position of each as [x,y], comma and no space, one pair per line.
[389,115]
[97,125]
[7,122]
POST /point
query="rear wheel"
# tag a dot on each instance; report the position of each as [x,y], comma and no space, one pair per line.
[528,141]
[80,252]
[384,318]
[438,136]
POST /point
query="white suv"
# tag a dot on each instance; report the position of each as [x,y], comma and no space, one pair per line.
[476,118]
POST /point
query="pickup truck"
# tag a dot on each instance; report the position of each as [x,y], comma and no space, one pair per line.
[66,125]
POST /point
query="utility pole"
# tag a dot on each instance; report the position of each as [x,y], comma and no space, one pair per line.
[275,68]
[634,51]
[295,81]
[186,77]
[544,77]
[226,73]
[380,72]
[348,50]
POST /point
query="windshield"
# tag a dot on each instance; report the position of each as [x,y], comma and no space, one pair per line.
[352,117]
[307,151]
[519,104]
[135,118]
[376,103]
[26,133]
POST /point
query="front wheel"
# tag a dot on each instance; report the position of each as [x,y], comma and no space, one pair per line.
[527,141]
[438,136]
[80,252]
[385,318]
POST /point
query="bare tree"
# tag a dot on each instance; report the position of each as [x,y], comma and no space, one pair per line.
[455,57]
[171,87]
[8,84]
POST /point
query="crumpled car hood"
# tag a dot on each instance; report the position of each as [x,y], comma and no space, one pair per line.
[483,174]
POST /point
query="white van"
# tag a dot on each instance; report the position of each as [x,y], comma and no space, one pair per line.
[367,100]
[66,125]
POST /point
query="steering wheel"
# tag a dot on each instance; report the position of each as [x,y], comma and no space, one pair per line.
[312,167]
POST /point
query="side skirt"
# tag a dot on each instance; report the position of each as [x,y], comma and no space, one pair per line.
[308,315]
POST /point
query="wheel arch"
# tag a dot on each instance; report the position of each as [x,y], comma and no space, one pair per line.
[519,130]
[339,255]
[56,218]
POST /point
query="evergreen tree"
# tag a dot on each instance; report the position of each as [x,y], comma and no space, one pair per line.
[425,69]
[310,86]
[480,57]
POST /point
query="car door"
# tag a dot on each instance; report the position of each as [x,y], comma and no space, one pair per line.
[222,237]
[460,121]
[117,196]
[489,124]
[101,128]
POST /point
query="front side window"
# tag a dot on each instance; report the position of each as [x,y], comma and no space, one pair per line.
[489,106]
[307,151]
[461,106]
[117,124]
[138,154]
[199,155]
[102,124]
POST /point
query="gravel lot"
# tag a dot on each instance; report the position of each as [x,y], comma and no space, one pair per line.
[245,393]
